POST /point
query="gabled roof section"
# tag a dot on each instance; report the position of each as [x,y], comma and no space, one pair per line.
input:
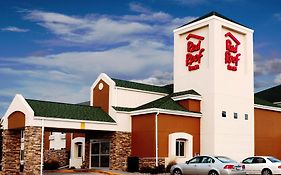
[117,108]
[68,111]
[260,101]
[163,103]
[188,92]
[272,94]
[145,87]
[213,13]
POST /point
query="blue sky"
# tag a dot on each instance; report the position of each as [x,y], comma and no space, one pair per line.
[55,49]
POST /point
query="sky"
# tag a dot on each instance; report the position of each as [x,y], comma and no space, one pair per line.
[54,50]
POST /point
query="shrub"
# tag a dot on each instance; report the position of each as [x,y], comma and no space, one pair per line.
[155,170]
[51,165]
[170,164]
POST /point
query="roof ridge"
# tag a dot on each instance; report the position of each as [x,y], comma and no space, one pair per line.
[212,13]
[63,103]
[166,89]
[161,86]
[273,87]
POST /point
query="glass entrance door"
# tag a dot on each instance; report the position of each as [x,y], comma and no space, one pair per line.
[100,153]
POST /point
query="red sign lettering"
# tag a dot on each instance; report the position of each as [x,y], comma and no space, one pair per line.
[192,60]
[231,58]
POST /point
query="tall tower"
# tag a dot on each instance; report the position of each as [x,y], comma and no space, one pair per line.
[214,56]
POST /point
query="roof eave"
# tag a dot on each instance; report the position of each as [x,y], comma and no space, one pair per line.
[165,111]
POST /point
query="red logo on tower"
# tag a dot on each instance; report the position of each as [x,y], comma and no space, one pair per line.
[231,55]
[194,52]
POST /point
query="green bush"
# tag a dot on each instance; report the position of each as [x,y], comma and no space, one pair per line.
[51,165]
[155,170]
[169,166]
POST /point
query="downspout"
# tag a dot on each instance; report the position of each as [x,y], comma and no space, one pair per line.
[42,147]
[156,139]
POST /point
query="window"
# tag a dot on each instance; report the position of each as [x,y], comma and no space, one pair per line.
[246,117]
[79,150]
[223,114]
[273,159]
[180,147]
[259,160]
[235,115]
[195,160]
[207,160]
[248,160]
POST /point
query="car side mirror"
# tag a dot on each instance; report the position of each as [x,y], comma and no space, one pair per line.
[187,162]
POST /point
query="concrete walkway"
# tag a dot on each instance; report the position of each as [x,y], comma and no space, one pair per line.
[98,172]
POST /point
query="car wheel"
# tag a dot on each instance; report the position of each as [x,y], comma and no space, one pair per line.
[266,172]
[177,172]
[213,173]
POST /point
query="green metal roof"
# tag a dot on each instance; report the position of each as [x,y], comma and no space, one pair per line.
[117,108]
[163,103]
[260,101]
[166,103]
[213,13]
[68,111]
[272,94]
[145,87]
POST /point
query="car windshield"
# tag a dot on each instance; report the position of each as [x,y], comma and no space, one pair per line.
[273,159]
[225,159]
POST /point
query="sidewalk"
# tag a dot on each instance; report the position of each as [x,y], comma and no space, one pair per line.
[94,172]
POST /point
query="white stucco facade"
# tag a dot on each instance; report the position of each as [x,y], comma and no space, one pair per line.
[221,89]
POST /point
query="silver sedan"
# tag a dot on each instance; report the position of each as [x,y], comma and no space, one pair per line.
[209,165]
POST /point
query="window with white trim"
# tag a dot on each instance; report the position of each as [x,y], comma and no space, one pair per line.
[180,147]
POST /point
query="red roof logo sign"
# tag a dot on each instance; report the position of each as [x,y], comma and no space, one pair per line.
[231,55]
[194,52]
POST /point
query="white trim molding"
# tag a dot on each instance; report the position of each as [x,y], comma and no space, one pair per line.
[73,120]
[186,97]
[188,146]
[271,108]
[165,111]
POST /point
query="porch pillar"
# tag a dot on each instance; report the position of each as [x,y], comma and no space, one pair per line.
[11,152]
[32,150]
[86,163]
[120,150]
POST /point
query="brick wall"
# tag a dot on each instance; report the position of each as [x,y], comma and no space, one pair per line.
[120,150]
[151,162]
[62,156]
[11,152]
[32,150]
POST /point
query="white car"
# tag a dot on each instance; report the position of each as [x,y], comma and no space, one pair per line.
[264,165]
[208,165]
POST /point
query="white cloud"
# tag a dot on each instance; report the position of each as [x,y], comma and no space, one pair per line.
[277,79]
[14,29]
[108,30]
[157,78]
[136,7]
[131,59]
[67,76]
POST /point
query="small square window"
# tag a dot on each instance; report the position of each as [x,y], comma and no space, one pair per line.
[235,115]
[246,116]
[223,114]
